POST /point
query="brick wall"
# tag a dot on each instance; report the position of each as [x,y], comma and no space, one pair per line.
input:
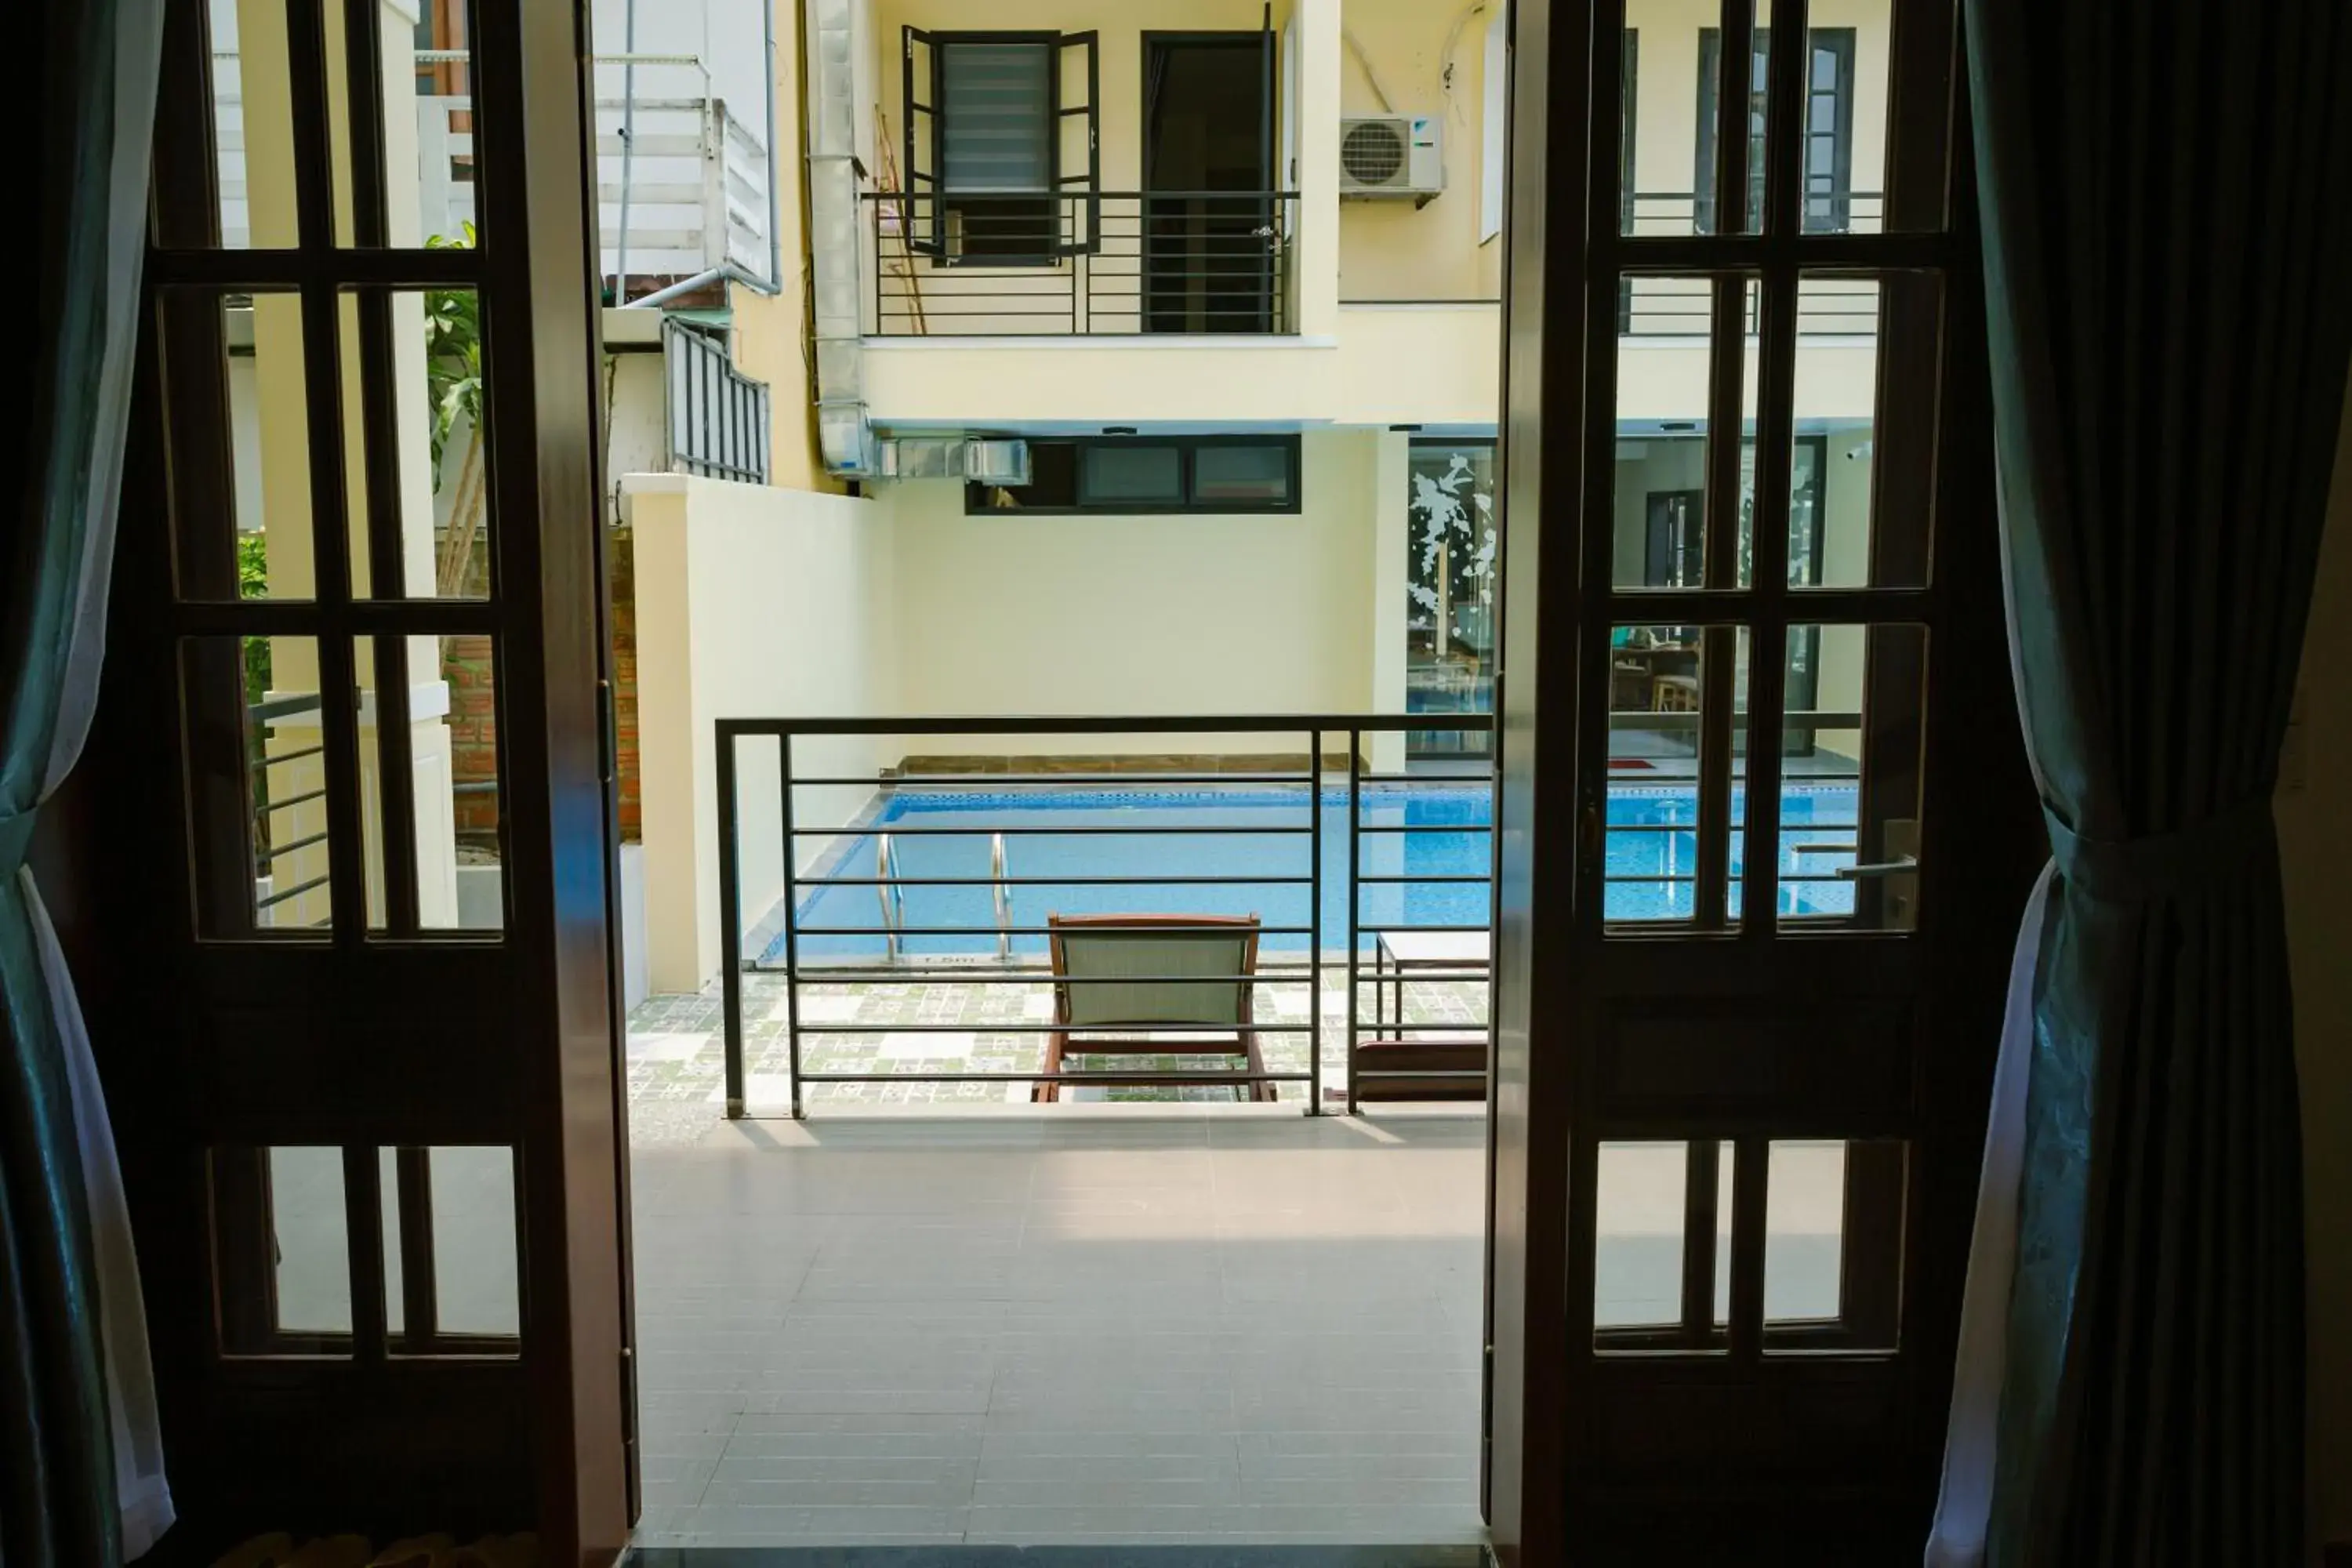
[473,714]
[473,733]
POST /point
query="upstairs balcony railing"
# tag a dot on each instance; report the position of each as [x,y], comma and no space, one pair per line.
[1668,306]
[715,416]
[696,176]
[1828,209]
[1058,264]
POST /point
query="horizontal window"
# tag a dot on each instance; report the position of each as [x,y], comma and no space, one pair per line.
[1141,476]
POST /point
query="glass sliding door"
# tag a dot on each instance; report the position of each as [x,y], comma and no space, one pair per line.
[1452,580]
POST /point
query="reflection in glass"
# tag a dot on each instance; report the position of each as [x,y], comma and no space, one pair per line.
[1851,773]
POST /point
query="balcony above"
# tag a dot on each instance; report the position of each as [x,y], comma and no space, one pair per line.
[681,181]
[682,178]
[1080,262]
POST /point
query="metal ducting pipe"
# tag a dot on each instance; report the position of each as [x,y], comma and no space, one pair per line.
[844,436]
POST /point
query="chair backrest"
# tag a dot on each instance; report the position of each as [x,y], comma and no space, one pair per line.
[1159,950]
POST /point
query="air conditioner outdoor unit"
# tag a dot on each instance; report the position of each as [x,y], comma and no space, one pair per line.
[1389,155]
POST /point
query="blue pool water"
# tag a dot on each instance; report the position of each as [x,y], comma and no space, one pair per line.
[945,833]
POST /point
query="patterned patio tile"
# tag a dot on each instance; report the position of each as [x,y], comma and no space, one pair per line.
[675,1054]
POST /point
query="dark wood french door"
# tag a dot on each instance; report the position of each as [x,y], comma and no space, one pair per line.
[1764,826]
[355,716]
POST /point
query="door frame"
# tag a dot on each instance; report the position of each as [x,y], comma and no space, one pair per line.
[1548,1492]
[1156,39]
[394,1038]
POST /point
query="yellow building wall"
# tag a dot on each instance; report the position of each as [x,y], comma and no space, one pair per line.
[772,342]
[1156,614]
[1665,114]
[1121,54]
[1431,60]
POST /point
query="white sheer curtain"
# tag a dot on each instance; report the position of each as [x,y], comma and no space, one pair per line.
[1964,1507]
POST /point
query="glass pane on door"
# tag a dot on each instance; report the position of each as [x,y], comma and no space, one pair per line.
[1638,1196]
[1851,776]
[1658,676]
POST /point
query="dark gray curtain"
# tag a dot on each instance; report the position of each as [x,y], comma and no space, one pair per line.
[87,86]
[2165,187]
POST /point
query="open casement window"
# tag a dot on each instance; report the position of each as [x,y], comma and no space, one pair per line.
[1828,160]
[1002,154]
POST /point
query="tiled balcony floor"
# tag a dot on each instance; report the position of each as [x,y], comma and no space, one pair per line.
[677,1067]
[1089,1322]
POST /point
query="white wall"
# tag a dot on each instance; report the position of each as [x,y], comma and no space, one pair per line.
[751,602]
[1245,614]
[768,603]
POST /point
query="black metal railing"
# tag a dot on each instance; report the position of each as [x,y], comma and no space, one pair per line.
[1059,264]
[268,845]
[1828,210]
[1671,307]
[716,417]
[828,826]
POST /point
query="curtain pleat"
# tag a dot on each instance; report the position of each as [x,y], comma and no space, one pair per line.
[2164,248]
[81,1450]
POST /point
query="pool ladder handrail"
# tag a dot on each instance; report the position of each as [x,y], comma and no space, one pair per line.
[893,898]
[1002,897]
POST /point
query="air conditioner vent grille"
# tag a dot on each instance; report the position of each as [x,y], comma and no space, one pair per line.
[1373,152]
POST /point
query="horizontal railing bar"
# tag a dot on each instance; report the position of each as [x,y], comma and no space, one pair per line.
[276,850]
[1080,198]
[294,800]
[1140,879]
[1113,1031]
[296,755]
[1102,724]
[819,974]
[1651,718]
[1425,828]
[1170,1076]
[1425,778]
[897,831]
[1364,879]
[297,890]
[1362,1074]
[1409,931]
[1652,876]
[1092,928]
[1130,780]
[1393,973]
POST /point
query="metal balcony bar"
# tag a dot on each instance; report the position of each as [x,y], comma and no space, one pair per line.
[715,416]
[1080,262]
[893,937]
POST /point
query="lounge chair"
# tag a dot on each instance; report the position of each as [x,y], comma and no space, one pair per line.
[1092,954]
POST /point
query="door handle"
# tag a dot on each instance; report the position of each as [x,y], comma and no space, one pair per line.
[1900,866]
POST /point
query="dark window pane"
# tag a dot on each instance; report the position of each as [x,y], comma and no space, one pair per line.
[1126,475]
[1052,482]
[1253,475]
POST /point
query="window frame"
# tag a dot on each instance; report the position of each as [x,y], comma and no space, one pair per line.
[1056,188]
[1838,200]
[1188,448]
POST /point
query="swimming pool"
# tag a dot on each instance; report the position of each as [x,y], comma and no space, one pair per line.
[945,833]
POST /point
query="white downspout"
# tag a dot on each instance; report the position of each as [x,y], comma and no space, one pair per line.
[844,438]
